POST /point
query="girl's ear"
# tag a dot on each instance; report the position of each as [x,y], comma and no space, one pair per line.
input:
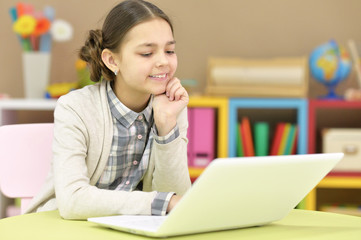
[109,60]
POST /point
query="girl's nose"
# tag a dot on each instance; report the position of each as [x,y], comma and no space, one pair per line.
[162,60]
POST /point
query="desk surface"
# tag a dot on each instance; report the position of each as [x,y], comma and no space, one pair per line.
[299,224]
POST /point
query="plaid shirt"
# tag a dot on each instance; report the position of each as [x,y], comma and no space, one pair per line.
[130,151]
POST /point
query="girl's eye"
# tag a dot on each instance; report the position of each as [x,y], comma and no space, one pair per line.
[170,52]
[146,54]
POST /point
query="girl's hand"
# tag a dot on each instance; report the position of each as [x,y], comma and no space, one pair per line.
[168,105]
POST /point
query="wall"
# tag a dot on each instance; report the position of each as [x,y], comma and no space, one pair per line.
[245,28]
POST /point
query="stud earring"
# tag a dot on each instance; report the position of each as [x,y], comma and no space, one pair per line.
[116,72]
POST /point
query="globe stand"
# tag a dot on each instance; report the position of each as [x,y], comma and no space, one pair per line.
[331,93]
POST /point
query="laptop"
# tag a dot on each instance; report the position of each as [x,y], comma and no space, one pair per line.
[234,193]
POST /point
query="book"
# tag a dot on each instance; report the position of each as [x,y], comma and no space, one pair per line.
[190,132]
[247,137]
[243,140]
[355,59]
[290,140]
[203,136]
[294,147]
[239,146]
[284,138]
[261,141]
[277,136]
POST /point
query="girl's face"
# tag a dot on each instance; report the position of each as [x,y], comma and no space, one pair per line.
[146,59]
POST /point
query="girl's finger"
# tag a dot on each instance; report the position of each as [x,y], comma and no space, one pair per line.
[179,93]
[173,90]
[170,84]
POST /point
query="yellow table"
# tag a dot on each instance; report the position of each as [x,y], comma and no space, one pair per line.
[299,224]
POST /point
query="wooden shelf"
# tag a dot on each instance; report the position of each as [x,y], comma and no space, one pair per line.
[259,107]
[28,104]
[195,172]
[340,182]
[221,106]
[331,114]
[9,107]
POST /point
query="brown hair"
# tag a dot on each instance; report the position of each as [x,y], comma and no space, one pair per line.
[118,22]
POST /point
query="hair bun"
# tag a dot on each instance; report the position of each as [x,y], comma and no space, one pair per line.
[91,53]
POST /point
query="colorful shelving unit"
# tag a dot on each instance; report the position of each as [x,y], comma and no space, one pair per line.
[336,186]
[271,110]
[221,106]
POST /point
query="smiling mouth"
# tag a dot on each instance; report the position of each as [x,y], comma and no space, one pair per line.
[158,76]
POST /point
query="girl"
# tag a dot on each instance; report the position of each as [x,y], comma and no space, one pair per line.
[120,146]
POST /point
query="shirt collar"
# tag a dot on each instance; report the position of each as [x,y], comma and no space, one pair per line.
[122,113]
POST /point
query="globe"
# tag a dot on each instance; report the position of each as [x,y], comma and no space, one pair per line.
[330,64]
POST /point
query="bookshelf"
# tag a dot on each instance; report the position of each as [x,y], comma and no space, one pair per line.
[221,106]
[269,110]
[337,187]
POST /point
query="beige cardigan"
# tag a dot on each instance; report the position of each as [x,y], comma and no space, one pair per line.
[83,133]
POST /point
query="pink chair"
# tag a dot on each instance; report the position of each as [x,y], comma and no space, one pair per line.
[25,157]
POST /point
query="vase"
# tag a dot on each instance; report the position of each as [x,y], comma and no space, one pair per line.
[36,72]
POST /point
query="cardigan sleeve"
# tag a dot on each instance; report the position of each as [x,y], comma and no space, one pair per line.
[170,161]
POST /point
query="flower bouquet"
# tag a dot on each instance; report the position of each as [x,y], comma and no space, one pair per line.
[35,31]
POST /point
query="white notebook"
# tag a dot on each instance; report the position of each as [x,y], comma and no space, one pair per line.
[235,193]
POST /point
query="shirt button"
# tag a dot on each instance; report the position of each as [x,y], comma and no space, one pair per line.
[140,117]
[135,162]
[127,182]
[140,136]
